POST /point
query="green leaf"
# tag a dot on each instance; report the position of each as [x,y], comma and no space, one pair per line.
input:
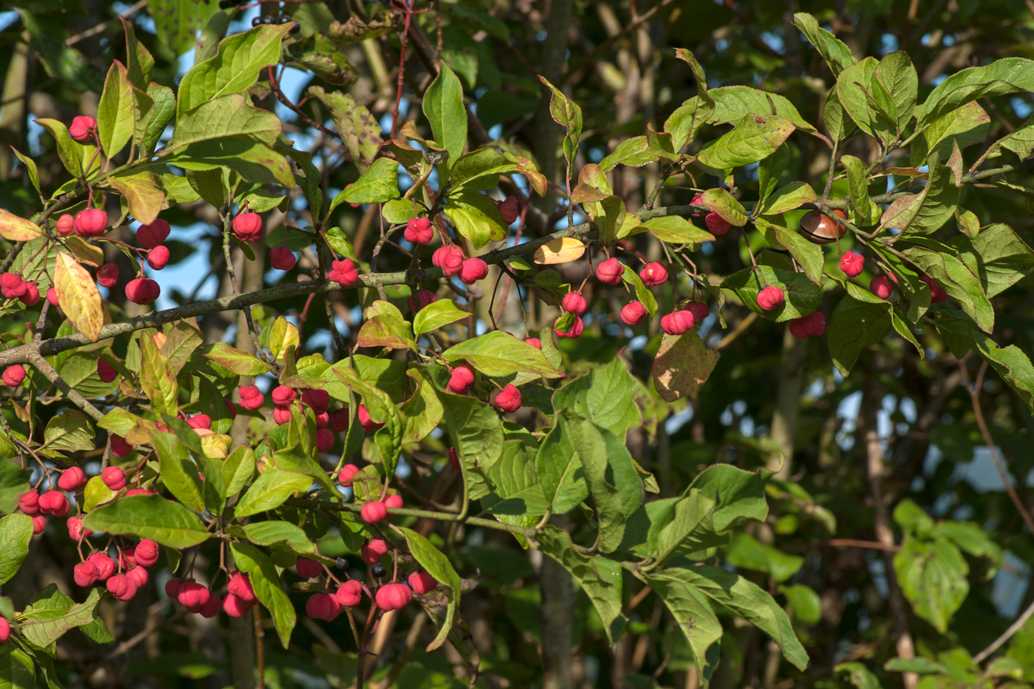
[998,256]
[898,79]
[378,184]
[235,67]
[213,490]
[436,315]
[157,378]
[922,666]
[837,122]
[755,137]
[789,197]
[964,126]
[116,113]
[270,491]
[178,472]
[499,353]
[149,516]
[733,103]
[675,229]
[386,328]
[517,497]
[683,363]
[687,119]
[15,532]
[52,613]
[642,292]
[605,396]
[932,575]
[925,212]
[854,326]
[859,675]
[480,169]
[1001,77]
[747,552]
[694,616]
[439,567]
[770,170]
[560,470]
[477,434]
[422,412]
[238,469]
[177,22]
[143,194]
[359,131]
[634,152]
[268,588]
[17,671]
[808,255]
[568,115]
[237,360]
[748,601]
[836,54]
[269,533]
[854,86]
[443,107]
[254,162]
[228,117]
[476,217]
[70,431]
[74,155]
[804,603]
[322,56]
[598,577]
[802,296]
[943,264]
[163,109]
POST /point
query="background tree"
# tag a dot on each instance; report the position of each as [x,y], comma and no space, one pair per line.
[826,417]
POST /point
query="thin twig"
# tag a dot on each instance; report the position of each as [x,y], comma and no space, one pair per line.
[1006,635]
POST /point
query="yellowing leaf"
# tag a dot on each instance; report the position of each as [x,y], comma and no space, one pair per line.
[79,297]
[562,250]
[15,229]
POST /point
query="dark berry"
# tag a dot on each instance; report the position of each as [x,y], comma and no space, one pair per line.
[269,19]
[341,563]
[284,19]
[257,21]
[378,570]
[295,29]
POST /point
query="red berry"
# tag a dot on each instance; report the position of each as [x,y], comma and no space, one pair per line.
[574,302]
[212,607]
[83,128]
[150,236]
[308,569]
[12,286]
[534,342]
[318,400]
[142,291]
[146,552]
[172,587]
[454,460]
[472,270]
[248,227]
[54,502]
[105,371]
[119,446]
[350,593]
[90,222]
[699,311]
[881,287]
[346,475]
[422,583]
[852,264]
[653,274]
[344,272]
[373,512]
[104,564]
[139,491]
[338,421]
[633,313]
[14,375]
[138,575]
[368,424]
[31,296]
[192,595]
[85,574]
[577,328]
[677,323]
[28,502]
[937,293]
[39,524]
[510,209]
[72,479]
[393,501]
[449,258]
[5,630]
[158,257]
[235,606]
[240,586]
[200,421]
[52,297]
[231,408]
[76,531]
[251,397]
[282,414]
[65,225]
[770,298]
[419,231]
[282,258]
[460,380]
[508,399]
[114,478]
[121,587]
[323,606]
[812,325]
[107,275]
[716,224]
[353,205]
[324,439]
[373,550]
[283,395]
[394,596]
[420,299]
[610,271]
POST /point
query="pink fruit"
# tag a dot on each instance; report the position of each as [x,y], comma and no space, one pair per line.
[610,271]
[138,575]
[881,287]
[338,421]
[534,342]
[54,502]
[633,313]
[373,550]
[39,524]
[212,607]
[105,371]
[350,593]
[419,231]
[373,512]
[283,395]
[90,222]
[420,299]
[937,293]
[28,502]
[150,236]
[318,400]
[282,414]
[308,569]
[653,274]
[5,630]
[248,227]
[104,564]
[346,475]
[85,574]
[14,375]
[83,128]
[508,399]
[76,531]
[472,270]
[119,446]
[107,275]
[114,478]
[422,583]
[146,552]
[510,210]
[240,586]
[577,328]
[454,460]
[574,302]
[65,225]
[460,380]
[368,424]
[323,606]
[393,501]
[812,325]
[139,491]
[449,258]
[394,596]
[677,323]
[235,606]
[699,311]
[72,479]
[142,291]
[31,296]
[324,439]
[716,224]
[282,258]
[12,286]
[770,298]
[172,587]
[52,297]
[200,421]
[121,587]
[192,595]
[852,264]
[251,397]
[231,408]
[344,272]
[158,257]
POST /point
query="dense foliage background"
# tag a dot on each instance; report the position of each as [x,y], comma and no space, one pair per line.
[889,537]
